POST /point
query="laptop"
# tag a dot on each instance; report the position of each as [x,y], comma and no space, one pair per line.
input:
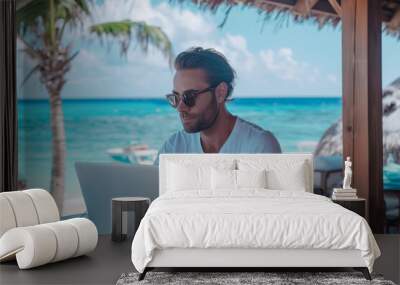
[102,181]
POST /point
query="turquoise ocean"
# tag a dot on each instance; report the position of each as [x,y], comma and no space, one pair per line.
[93,126]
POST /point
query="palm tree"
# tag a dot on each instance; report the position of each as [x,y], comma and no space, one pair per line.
[41,25]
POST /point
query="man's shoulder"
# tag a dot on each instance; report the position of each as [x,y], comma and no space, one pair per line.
[261,140]
[254,129]
[179,141]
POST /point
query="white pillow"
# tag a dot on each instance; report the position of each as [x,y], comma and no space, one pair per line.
[281,174]
[182,177]
[191,174]
[223,179]
[293,180]
[251,178]
[227,179]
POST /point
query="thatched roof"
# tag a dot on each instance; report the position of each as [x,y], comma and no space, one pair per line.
[321,11]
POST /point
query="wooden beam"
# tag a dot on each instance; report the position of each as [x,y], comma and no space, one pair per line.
[335,5]
[303,7]
[362,102]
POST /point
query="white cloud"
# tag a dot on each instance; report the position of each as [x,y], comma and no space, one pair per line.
[234,48]
[283,64]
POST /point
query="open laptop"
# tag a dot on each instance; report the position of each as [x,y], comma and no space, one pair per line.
[102,181]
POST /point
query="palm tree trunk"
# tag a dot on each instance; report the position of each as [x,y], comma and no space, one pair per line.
[57,183]
[53,67]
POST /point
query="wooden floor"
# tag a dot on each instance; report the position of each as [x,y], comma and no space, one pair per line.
[110,260]
[103,266]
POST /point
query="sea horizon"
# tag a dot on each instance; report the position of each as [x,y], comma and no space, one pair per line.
[162,98]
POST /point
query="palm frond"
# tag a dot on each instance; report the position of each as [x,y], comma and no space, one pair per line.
[29,49]
[125,31]
[72,10]
[32,53]
[29,15]
[113,28]
[227,12]
[35,14]
[33,70]
[83,5]
[72,56]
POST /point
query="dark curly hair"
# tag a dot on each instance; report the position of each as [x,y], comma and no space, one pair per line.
[212,62]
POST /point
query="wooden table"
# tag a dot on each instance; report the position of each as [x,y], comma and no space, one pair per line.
[356,205]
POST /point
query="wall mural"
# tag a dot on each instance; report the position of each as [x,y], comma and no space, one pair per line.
[93,77]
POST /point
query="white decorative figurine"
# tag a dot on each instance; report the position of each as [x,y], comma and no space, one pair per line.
[347,174]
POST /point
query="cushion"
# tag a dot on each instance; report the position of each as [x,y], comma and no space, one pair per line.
[67,237]
[26,208]
[87,233]
[251,178]
[183,177]
[228,179]
[23,208]
[40,244]
[45,206]
[7,220]
[284,174]
[223,179]
[186,175]
[31,233]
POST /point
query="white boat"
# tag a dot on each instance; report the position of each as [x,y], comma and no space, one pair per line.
[134,153]
[143,156]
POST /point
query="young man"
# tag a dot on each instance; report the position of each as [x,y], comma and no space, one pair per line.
[202,84]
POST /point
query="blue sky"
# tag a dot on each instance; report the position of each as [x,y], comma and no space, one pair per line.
[291,60]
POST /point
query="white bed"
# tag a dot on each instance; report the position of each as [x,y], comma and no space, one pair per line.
[247,210]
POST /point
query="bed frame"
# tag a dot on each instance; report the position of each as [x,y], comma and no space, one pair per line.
[242,259]
[249,259]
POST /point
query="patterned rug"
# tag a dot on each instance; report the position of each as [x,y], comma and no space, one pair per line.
[230,278]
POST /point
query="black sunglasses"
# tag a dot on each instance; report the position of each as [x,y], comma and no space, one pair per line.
[188,96]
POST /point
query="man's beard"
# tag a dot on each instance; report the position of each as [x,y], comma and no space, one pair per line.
[203,123]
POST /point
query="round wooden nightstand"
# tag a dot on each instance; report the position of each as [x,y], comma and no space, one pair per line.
[356,205]
[122,210]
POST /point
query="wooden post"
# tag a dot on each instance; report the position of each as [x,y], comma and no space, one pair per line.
[362,102]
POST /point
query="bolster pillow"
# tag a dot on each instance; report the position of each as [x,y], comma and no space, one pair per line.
[26,208]
[40,244]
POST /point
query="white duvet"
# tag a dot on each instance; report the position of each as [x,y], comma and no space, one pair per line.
[252,218]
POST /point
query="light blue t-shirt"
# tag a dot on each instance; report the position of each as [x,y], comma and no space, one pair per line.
[245,137]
